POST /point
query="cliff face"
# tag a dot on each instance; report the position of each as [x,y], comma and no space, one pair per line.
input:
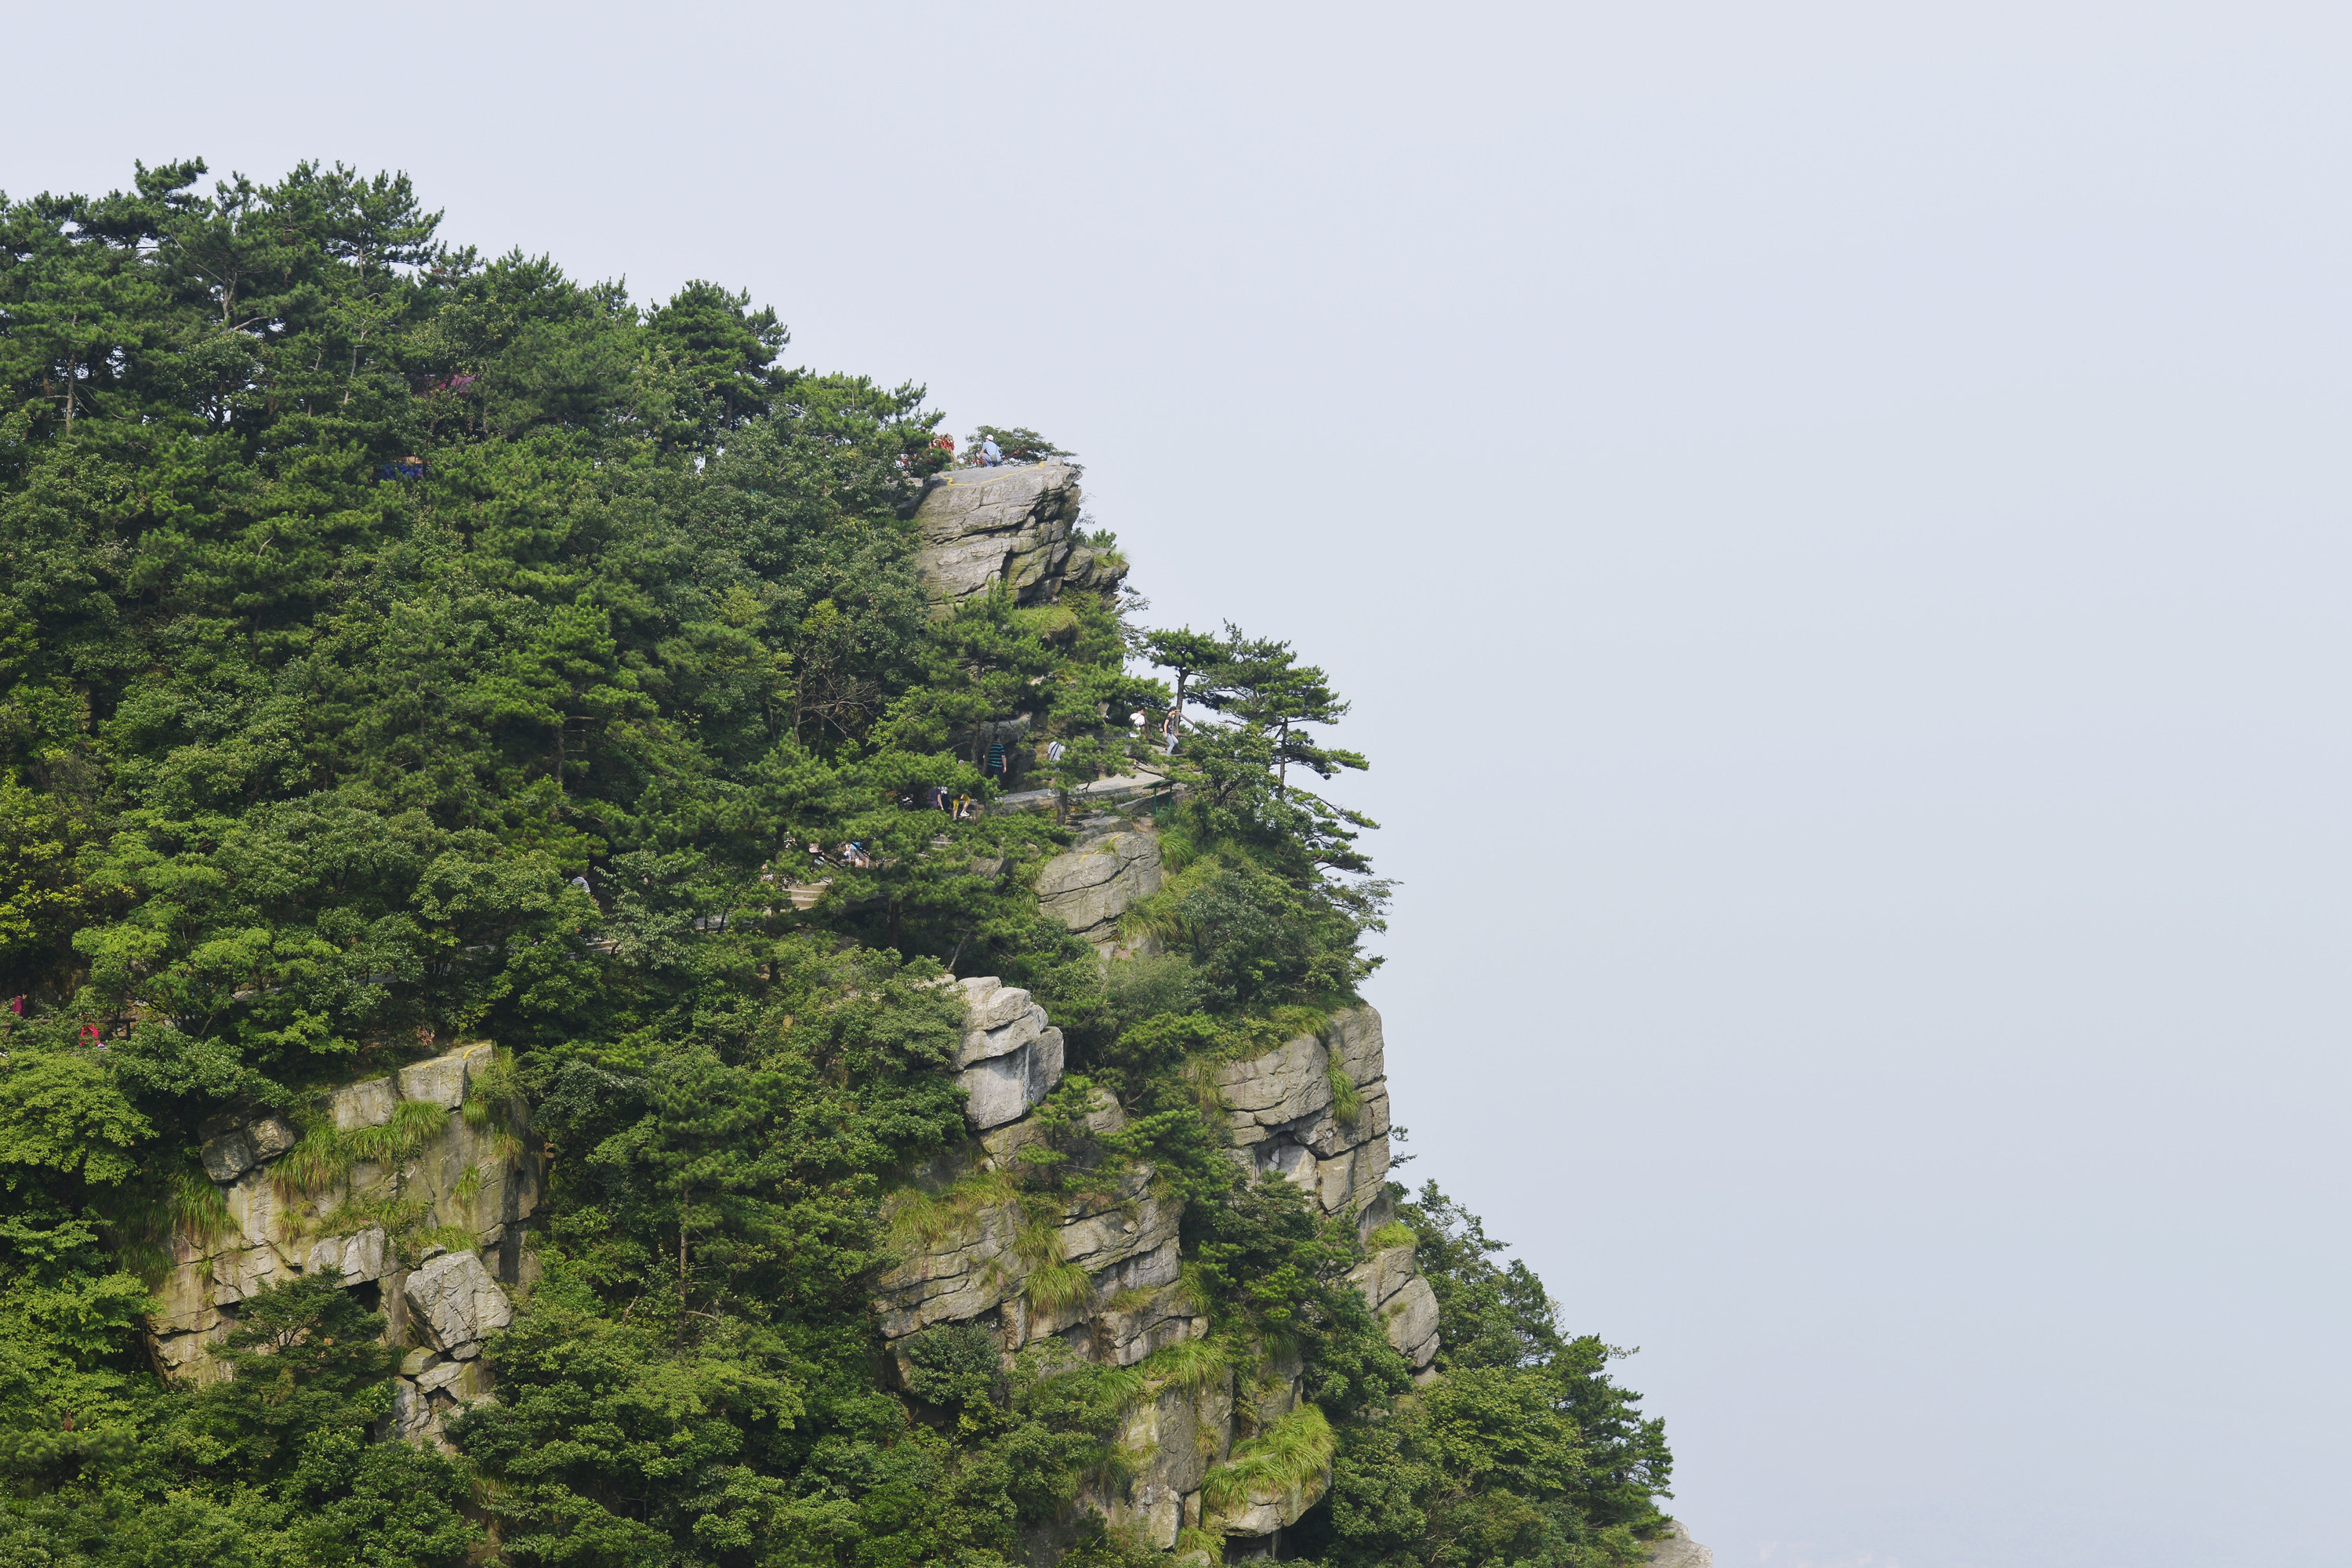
[1114,865]
[416,1198]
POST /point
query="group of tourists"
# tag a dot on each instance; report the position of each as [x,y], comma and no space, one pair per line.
[987,454]
[959,806]
[1168,727]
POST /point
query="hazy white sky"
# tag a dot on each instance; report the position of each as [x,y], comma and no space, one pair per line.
[1833,518]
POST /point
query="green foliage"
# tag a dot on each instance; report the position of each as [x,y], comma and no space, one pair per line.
[396,644]
[64,1110]
[272,1466]
[325,1153]
[1523,1451]
[1189,1364]
[954,1365]
[1346,1103]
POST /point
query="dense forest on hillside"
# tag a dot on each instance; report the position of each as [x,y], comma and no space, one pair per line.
[400,648]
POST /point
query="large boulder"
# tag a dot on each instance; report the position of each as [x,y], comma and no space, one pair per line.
[1010,1057]
[233,1153]
[1262,1513]
[454,1305]
[983,526]
[368,1255]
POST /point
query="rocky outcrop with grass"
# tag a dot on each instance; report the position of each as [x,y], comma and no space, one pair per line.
[1100,1268]
[1214,1443]
[1317,1110]
[415,1186]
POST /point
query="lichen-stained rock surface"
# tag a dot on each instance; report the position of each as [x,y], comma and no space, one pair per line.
[453,1174]
[970,1267]
[1167,1447]
[443,1081]
[1114,865]
[1015,525]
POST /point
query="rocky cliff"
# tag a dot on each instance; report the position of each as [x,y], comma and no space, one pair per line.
[416,1186]
[1015,525]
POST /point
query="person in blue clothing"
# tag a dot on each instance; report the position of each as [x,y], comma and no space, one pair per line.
[991,452]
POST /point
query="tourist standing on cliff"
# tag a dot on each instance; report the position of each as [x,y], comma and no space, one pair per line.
[989,453]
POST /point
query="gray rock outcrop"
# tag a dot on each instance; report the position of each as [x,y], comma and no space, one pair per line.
[1114,865]
[1011,1057]
[1287,1115]
[1262,1513]
[238,1150]
[972,1244]
[971,1271]
[1676,1549]
[454,1304]
[1015,525]
[1403,1300]
[1173,1438]
[454,1175]
[443,1081]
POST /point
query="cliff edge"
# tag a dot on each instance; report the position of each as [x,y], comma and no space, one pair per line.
[1014,525]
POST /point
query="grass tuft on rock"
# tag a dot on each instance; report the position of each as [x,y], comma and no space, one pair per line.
[1276,1464]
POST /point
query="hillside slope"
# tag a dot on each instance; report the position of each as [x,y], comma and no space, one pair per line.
[611,961]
